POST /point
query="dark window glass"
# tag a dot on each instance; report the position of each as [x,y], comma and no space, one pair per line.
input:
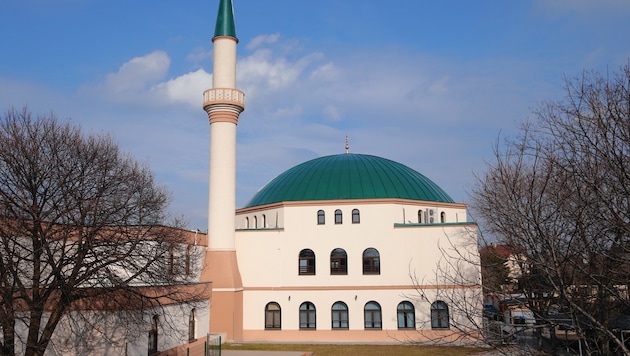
[439,315]
[372,315]
[371,261]
[338,261]
[406,316]
[191,325]
[339,315]
[272,316]
[307,262]
[307,316]
[338,217]
[321,217]
[153,335]
[355,216]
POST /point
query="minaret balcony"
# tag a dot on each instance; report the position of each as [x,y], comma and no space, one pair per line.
[223,96]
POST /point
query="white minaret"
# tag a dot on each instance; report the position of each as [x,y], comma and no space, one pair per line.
[223,103]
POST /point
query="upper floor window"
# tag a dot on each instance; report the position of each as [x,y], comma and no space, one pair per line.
[355,216]
[247,222]
[272,316]
[339,315]
[338,261]
[371,261]
[321,217]
[439,315]
[338,217]
[420,216]
[307,262]
[442,217]
[406,316]
[264,221]
[372,315]
[307,316]
[255,222]
[187,260]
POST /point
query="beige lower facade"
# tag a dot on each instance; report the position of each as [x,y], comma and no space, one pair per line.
[296,288]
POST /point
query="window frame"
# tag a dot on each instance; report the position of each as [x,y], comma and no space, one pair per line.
[356,216]
[154,334]
[440,315]
[371,264]
[406,315]
[308,316]
[372,317]
[273,317]
[338,262]
[321,217]
[306,262]
[192,325]
[339,316]
[338,217]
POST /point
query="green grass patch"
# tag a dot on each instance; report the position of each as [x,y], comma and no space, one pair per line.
[363,350]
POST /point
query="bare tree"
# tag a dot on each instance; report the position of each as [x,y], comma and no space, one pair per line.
[560,194]
[83,229]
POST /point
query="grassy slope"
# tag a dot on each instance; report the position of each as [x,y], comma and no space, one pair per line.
[363,350]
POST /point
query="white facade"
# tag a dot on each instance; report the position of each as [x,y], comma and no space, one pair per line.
[409,253]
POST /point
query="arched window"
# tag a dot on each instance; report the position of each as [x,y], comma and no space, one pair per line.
[187,261]
[339,315]
[420,216]
[264,221]
[192,323]
[321,217]
[442,217]
[406,316]
[272,316]
[371,261]
[307,316]
[307,262]
[338,261]
[153,335]
[439,315]
[247,222]
[338,217]
[171,260]
[255,222]
[355,216]
[372,315]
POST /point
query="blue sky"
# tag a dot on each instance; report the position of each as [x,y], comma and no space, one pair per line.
[430,84]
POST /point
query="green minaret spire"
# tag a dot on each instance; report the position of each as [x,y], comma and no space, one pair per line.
[225,20]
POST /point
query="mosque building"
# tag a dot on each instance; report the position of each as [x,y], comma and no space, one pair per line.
[341,248]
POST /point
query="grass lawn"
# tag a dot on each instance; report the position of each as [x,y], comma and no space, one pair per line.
[363,350]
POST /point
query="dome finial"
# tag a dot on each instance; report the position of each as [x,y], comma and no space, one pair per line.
[347,145]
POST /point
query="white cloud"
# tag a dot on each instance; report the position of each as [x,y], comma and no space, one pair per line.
[133,80]
[261,40]
[199,55]
[139,72]
[186,88]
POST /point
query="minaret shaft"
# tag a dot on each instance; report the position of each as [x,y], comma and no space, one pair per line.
[222,198]
[223,103]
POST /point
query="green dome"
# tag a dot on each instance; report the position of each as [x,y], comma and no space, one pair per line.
[349,176]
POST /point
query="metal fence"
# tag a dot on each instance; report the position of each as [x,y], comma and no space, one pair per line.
[213,345]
